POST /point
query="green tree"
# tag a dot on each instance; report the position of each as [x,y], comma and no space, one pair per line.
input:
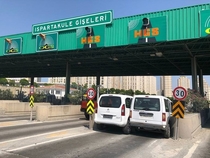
[74,85]
[3,81]
[35,84]
[117,91]
[112,91]
[12,83]
[6,95]
[129,92]
[138,92]
[24,82]
[75,98]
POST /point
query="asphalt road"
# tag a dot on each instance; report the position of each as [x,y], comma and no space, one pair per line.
[73,139]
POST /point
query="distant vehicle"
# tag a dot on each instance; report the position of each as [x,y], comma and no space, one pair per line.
[150,112]
[113,109]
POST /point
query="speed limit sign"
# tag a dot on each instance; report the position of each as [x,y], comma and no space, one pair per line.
[91,93]
[180,93]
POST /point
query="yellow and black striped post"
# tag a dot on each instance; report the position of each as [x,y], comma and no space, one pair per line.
[178,109]
[31,101]
[31,104]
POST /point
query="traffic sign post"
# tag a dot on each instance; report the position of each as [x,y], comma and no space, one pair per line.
[91,94]
[31,104]
[179,93]
[31,101]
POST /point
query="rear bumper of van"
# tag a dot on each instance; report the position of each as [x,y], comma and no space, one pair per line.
[148,126]
[110,122]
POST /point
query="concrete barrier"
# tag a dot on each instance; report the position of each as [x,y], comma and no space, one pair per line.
[56,112]
[188,126]
[16,107]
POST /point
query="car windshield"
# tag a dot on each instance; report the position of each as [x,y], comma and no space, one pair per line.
[110,101]
[149,104]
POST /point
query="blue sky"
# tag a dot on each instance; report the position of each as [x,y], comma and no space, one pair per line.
[18,16]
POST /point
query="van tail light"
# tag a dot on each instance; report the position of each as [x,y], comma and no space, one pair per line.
[163,116]
[123,110]
[130,116]
[96,110]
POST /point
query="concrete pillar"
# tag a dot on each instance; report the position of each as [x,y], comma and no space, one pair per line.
[98,85]
[32,80]
[201,83]
[194,74]
[67,86]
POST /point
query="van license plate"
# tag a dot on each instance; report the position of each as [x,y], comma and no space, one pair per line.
[107,116]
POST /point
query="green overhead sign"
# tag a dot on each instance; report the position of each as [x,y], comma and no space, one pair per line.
[48,42]
[74,23]
[13,46]
[90,37]
[147,30]
[205,23]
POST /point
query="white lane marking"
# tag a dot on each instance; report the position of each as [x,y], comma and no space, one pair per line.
[192,150]
[152,143]
[49,141]
[38,135]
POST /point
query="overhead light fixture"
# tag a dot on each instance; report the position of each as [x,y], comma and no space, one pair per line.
[115,59]
[159,54]
[152,55]
[79,63]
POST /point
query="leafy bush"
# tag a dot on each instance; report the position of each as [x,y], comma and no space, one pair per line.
[6,95]
[195,102]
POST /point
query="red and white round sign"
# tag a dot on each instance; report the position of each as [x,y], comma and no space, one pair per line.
[179,93]
[91,93]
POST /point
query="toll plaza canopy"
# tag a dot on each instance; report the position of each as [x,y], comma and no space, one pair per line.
[158,43]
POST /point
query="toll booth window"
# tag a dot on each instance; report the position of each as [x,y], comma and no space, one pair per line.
[110,101]
[149,104]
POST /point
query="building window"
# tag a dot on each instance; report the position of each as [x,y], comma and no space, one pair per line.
[57,92]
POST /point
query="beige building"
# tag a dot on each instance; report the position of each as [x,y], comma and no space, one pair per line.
[206,89]
[17,80]
[141,83]
[166,86]
[183,81]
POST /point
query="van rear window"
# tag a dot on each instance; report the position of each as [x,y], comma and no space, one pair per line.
[149,104]
[110,101]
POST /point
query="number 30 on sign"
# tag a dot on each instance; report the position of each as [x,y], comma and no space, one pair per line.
[91,93]
[179,93]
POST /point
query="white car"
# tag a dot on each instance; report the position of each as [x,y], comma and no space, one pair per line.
[151,112]
[113,109]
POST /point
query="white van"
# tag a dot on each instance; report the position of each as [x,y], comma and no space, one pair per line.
[113,109]
[151,112]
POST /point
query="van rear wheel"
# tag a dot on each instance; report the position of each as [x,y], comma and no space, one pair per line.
[100,126]
[167,132]
[127,128]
